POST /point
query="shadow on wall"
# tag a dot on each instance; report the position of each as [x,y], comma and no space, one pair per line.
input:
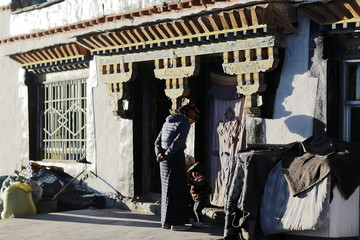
[282,112]
[300,125]
[295,63]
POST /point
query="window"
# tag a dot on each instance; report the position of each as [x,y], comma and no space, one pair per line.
[63,120]
[351,101]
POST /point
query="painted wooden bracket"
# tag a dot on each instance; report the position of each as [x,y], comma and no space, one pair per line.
[117,74]
[176,71]
[249,64]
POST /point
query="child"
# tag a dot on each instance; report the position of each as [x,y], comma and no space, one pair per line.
[189,161]
[199,190]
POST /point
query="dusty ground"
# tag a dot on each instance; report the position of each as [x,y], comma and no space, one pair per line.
[97,224]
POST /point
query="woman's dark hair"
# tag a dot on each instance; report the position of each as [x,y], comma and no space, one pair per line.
[190,111]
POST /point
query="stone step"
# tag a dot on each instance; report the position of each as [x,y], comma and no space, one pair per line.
[213,215]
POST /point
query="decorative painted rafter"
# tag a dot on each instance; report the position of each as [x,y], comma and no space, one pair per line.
[337,15]
[249,63]
[116,74]
[176,71]
[55,58]
[209,28]
[159,42]
[261,18]
[163,8]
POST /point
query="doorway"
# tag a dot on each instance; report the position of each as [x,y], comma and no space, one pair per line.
[151,107]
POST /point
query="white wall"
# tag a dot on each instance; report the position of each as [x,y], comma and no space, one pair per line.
[344,215]
[73,11]
[4,20]
[13,141]
[114,145]
[295,98]
[111,152]
[5,2]
[70,11]
[110,140]
[293,116]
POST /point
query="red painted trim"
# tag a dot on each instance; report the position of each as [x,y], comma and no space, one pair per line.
[183,5]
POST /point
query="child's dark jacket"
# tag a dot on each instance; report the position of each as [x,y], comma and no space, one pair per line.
[199,187]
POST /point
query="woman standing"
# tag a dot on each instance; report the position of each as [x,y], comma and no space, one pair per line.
[169,150]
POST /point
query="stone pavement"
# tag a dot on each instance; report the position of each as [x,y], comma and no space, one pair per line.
[98,224]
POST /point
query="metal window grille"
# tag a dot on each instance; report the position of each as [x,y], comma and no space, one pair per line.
[64,120]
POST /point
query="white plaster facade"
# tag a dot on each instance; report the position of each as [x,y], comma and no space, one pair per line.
[294,107]
[295,97]
[68,12]
[292,121]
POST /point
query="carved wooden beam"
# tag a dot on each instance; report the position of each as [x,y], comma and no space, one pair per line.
[249,64]
[116,74]
[246,58]
[176,71]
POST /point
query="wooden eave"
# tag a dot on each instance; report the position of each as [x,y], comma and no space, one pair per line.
[70,54]
[182,5]
[337,16]
[249,21]
[174,7]
[240,22]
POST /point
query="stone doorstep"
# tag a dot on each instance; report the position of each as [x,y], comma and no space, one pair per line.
[151,205]
[213,215]
[143,207]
